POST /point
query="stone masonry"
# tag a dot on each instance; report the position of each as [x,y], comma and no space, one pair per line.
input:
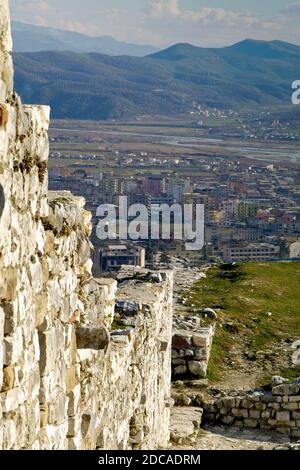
[70,378]
[191,349]
[276,410]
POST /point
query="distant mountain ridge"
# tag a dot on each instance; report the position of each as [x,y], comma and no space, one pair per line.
[31,38]
[96,86]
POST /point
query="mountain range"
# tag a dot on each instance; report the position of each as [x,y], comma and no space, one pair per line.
[31,38]
[97,86]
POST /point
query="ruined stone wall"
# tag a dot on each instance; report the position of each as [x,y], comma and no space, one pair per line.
[130,391]
[191,349]
[66,379]
[277,410]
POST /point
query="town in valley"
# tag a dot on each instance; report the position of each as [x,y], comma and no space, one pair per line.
[244,169]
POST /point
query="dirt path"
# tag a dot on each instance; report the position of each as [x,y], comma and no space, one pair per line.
[221,438]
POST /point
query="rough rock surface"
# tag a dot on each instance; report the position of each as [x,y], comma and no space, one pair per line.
[234,439]
[192,341]
[185,424]
[66,381]
[191,350]
[274,410]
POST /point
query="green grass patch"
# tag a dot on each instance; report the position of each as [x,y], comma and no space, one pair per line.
[289,373]
[259,305]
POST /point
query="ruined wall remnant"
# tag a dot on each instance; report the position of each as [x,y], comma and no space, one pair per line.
[276,410]
[191,348]
[67,379]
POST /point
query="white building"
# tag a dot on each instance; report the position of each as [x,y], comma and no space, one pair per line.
[251,252]
[295,250]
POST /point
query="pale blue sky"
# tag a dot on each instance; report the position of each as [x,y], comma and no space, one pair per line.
[163,22]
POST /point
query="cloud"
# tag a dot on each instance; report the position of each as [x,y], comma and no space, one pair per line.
[163,9]
[205,25]
[292,8]
[32,11]
[161,22]
[36,6]
[168,10]
[69,15]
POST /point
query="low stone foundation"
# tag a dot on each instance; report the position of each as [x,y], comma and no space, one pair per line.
[277,410]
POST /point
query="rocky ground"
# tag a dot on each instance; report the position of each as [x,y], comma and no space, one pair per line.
[187,434]
[185,417]
[183,280]
[224,438]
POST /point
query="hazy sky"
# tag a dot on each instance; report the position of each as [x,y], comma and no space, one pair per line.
[164,22]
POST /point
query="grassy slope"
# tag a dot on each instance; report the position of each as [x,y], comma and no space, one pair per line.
[258,290]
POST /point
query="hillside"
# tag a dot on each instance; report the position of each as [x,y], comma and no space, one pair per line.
[95,86]
[31,38]
[258,321]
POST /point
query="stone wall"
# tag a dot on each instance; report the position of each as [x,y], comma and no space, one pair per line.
[277,410]
[6,67]
[67,379]
[191,349]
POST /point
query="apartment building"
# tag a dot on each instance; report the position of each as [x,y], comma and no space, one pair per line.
[251,252]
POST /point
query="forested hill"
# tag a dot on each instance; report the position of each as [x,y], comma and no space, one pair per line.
[97,86]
